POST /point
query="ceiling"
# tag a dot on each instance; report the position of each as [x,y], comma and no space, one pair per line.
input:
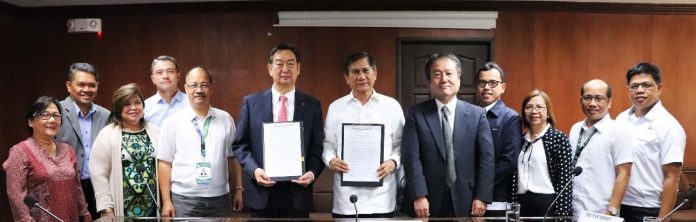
[52,3]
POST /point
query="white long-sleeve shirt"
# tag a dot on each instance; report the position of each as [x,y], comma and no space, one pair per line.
[379,109]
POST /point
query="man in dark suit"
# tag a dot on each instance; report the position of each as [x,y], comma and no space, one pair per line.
[281,103]
[447,150]
[82,121]
[506,131]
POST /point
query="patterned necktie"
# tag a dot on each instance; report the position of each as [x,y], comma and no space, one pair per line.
[449,148]
[283,113]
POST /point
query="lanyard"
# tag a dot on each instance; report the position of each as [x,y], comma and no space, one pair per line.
[203,134]
[530,150]
[578,147]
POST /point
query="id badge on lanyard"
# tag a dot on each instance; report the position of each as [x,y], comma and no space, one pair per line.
[204,174]
[203,169]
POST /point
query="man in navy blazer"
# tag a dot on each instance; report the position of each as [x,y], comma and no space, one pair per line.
[506,131]
[266,198]
[462,186]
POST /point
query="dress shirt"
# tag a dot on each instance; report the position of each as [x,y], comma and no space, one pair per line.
[378,109]
[290,103]
[179,143]
[489,107]
[85,122]
[533,167]
[657,132]
[606,149]
[157,109]
[452,106]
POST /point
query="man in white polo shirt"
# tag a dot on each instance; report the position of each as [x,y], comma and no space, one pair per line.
[658,142]
[603,149]
[195,160]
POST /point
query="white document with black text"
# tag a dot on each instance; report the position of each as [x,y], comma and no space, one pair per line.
[282,143]
[362,150]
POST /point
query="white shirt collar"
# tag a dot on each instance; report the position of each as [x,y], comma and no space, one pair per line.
[178,97]
[374,97]
[451,105]
[489,107]
[290,95]
[599,125]
[528,135]
[650,116]
[191,114]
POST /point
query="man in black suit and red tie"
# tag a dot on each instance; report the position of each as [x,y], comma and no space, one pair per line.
[282,102]
[447,149]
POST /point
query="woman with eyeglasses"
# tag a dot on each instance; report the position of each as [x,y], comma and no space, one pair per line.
[122,162]
[544,165]
[42,170]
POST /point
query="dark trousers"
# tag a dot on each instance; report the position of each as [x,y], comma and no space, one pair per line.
[387,215]
[445,208]
[280,204]
[494,213]
[534,204]
[636,214]
[88,191]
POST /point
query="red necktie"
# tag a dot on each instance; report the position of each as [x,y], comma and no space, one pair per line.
[283,114]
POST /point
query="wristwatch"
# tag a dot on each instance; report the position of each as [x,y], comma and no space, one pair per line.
[613,211]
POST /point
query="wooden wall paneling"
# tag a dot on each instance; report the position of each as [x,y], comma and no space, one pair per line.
[12,84]
[564,50]
[674,50]
[554,53]
[611,50]
[514,52]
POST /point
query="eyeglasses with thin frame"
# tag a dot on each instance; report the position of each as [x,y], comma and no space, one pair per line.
[596,98]
[47,116]
[645,85]
[196,86]
[491,83]
[539,108]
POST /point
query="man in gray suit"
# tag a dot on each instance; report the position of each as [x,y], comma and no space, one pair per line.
[82,120]
[447,150]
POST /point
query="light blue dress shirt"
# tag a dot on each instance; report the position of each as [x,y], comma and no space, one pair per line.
[86,133]
[157,109]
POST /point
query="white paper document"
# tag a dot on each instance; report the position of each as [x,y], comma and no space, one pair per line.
[282,155]
[363,151]
[587,216]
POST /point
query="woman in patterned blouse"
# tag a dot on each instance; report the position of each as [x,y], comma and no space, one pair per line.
[44,169]
[122,161]
[544,165]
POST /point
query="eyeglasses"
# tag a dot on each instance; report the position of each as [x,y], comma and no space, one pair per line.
[196,86]
[597,98]
[645,85]
[537,108]
[47,116]
[491,83]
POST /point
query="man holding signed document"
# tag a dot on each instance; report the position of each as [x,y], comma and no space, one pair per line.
[279,142]
[363,143]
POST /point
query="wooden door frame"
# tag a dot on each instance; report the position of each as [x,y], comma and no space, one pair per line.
[400,41]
